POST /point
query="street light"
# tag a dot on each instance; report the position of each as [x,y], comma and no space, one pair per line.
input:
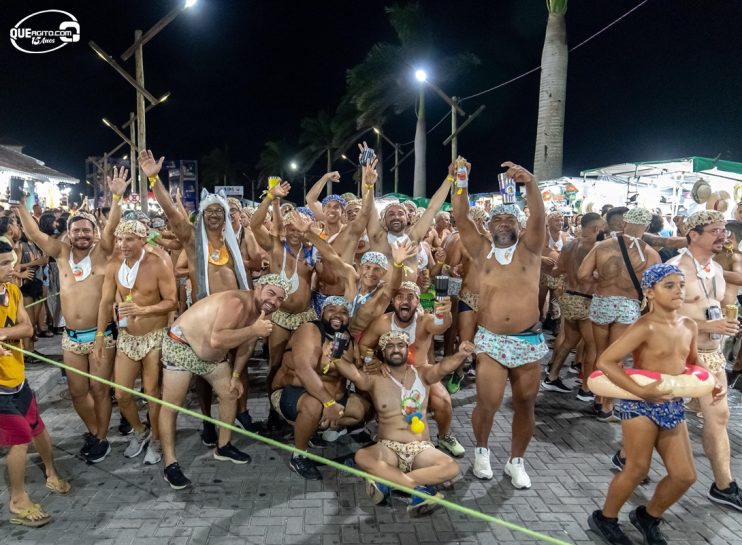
[395,168]
[293,165]
[421,75]
[190,3]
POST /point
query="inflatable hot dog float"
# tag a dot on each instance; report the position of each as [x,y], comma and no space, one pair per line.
[694,382]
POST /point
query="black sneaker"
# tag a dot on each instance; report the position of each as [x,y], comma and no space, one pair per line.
[209,436]
[228,453]
[619,462]
[89,441]
[608,529]
[730,496]
[555,385]
[648,526]
[175,478]
[587,397]
[316,441]
[244,420]
[124,427]
[608,417]
[98,452]
[305,468]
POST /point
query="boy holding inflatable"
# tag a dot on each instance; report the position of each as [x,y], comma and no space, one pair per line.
[662,341]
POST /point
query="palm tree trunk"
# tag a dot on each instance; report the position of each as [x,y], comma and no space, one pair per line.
[547,162]
[329,168]
[418,187]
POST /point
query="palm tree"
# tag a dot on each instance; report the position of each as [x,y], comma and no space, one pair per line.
[547,162]
[382,84]
[272,160]
[217,168]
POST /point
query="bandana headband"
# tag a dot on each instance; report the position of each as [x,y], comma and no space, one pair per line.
[638,216]
[656,273]
[377,258]
[386,337]
[131,227]
[338,300]
[509,210]
[336,198]
[82,215]
[703,218]
[407,285]
[273,280]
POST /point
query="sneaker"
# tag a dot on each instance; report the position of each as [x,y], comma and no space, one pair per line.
[587,397]
[421,506]
[454,383]
[331,435]
[89,441]
[482,469]
[608,417]
[555,385]
[451,444]
[516,470]
[305,468]
[244,421]
[472,372]
[575,368]
[619,462]
[229,453]
[209,436]
[377,492]
[137,443]
[124,427]
[316,441]
[731,496]
[175,478]
[154,453]
[608,529]
[648,526]
[98,452]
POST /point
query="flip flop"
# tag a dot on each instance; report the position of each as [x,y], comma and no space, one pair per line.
[62,487]
[28,517]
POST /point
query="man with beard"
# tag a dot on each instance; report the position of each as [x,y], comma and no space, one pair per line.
[420,330]
[82,265]
[575,307]
[197,344]
[509,338]
[212,250]
[145,285]
[617,299]
[404,455]
[705,293]
[308,391]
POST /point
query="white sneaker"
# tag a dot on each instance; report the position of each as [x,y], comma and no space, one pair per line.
[154,453]
[482,469]
[516,470]
[331,435]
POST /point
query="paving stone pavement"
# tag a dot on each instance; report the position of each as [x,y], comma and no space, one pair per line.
[121,502]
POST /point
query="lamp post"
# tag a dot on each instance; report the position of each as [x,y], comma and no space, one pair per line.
[397,153]
[294,167]
[360,172]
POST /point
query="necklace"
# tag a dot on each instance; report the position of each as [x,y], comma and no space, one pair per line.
[218,256]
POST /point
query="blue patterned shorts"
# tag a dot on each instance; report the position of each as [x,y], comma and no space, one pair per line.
[666,414]
[614,308]
[511,350]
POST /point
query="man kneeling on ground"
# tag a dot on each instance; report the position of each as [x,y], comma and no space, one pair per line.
[404,453]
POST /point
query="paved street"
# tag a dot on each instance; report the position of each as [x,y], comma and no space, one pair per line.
[120,501]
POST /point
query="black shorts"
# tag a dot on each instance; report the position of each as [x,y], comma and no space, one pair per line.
[33,289]
[290,400]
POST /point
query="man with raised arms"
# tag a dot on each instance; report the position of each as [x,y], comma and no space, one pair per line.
[509,341]
[82,264]
[144,284]
[197,344]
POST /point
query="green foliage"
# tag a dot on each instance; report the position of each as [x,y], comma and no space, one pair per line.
[556,7]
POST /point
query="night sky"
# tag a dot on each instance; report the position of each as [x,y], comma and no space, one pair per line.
[662,83]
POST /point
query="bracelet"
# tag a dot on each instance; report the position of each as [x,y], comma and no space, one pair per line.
[153,179]
[270,196]
[405,268]
[99,334]
[450,178]
[235,374]
[115,197]
[369,186]
[399,265]
[328,404]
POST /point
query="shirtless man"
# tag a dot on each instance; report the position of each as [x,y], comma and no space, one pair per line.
[731,260]
[420,330]
[706,290]
[197,344]
[575,307]
[616,302]
[551,283]
[442,228]
[662,341]
[144,284]
[402,455]
[215,262]
[82,265]
[509,340]
[308,391]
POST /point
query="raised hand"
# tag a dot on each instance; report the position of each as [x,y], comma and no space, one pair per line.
[333,176]
[147,163]
[261,327]
[403,251]
[299,222]
[370,174]
[118,182]
[281,190]
[518,173]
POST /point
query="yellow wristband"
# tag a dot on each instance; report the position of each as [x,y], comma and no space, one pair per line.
[99,334]
[270,196]
[235,374]
[450,178]
[399,265]
[369,186]
[115,197]
[153,179]
[328,404]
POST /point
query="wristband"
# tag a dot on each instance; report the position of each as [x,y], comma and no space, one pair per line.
[115,197]
[235,374]
[369,186]
[270,196]
[328,404]
[99,334]
[152,180]
[450,178]
[405,268]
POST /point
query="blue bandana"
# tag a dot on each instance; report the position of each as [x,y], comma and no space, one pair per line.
[306,211]
[656,273]
[333,197]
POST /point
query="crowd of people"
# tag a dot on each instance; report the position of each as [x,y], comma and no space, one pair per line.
[370,319]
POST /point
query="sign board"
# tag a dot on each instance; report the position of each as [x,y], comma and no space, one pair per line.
[230,190]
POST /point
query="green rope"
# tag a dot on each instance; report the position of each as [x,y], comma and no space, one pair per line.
[331,463]
[41,300]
